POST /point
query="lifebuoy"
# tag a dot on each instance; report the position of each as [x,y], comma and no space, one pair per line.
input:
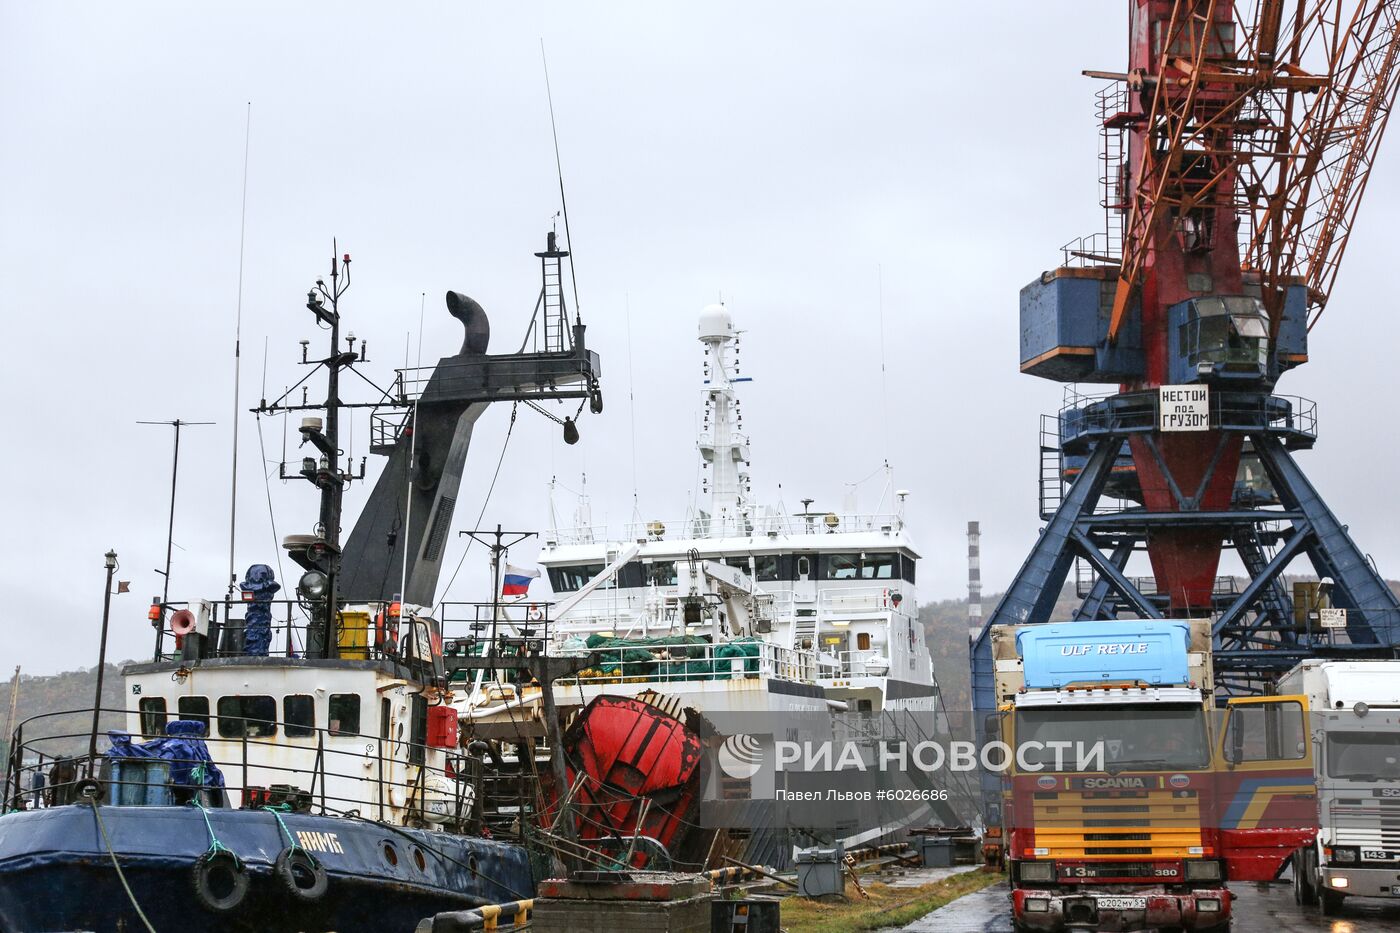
[534,613]
[301,874]
[220,881]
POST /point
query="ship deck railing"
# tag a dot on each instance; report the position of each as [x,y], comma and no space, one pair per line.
[872,599]
[315,770]
[691,663]
[756,527]
[363,631]
[871,662]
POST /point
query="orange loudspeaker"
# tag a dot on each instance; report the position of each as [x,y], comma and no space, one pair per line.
[182,622]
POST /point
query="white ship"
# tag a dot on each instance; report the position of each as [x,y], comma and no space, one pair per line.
[816,610]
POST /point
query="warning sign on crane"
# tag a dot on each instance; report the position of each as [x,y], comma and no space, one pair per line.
[1183,408]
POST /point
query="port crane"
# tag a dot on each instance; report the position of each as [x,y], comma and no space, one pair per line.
[1235,151]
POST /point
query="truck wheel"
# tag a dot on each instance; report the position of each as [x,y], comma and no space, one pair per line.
[1331,903]
[1304,878]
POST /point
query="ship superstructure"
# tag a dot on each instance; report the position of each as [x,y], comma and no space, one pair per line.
[826,597]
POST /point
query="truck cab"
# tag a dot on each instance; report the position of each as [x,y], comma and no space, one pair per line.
[1354,743]
[1109,793]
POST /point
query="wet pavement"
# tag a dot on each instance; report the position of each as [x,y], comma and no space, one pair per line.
[1259,908]
[917,877]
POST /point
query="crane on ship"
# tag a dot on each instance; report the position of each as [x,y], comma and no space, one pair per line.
[1234,155]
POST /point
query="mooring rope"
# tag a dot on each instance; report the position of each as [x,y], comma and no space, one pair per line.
[118,866]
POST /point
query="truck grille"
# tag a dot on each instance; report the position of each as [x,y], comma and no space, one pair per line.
[1154,824]
[1122,869]
[1373,825]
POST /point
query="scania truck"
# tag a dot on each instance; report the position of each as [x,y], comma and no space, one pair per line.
[1354,733]
[1119,809]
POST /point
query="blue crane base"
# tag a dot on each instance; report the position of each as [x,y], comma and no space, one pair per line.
[1258,635]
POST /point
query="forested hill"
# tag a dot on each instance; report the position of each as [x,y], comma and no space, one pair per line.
[56,693]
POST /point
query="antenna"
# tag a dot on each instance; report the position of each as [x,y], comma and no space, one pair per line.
[884,392]
[559,168]
[237,360]
[177,424]
[631,398]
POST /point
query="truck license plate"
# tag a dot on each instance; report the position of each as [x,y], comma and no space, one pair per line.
[1375,855]
[1122,903]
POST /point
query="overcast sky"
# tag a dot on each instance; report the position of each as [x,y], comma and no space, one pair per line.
[779,156]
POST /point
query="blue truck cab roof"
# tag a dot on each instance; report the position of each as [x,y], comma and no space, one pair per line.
[1151,652]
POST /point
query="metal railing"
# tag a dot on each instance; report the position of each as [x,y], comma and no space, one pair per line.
[759,526]
[701,662]
[865,599]
[361,632]
[870,662]
[1293,417]
[315,770]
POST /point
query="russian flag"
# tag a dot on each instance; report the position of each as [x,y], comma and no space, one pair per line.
[516,582]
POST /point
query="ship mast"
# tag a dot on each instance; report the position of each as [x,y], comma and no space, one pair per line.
[319,553]
[725,506]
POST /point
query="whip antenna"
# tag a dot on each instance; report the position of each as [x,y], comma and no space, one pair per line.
[237,355]
[559,168]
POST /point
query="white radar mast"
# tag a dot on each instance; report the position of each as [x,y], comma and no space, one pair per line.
[724,506]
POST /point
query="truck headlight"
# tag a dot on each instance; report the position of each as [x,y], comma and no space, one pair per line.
[1202,870]
[1208,905]
[1037,905]
[1344,854]
[1037,871]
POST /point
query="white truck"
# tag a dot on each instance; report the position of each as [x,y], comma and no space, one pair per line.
[1355,733]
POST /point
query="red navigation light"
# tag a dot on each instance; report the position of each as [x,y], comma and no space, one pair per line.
[345,259]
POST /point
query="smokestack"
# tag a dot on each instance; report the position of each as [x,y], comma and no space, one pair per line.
[974,579]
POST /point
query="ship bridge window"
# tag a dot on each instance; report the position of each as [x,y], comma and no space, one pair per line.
[299,715]
[572,578]
[153,716]
[765,566]
[195,709]
[253,716]
[842,566]
[868,566]
[661,573]
[344,714]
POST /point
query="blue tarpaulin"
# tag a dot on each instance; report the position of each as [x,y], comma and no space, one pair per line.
[183,746]
[257,621]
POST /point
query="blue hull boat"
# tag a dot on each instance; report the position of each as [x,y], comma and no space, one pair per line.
[56,872]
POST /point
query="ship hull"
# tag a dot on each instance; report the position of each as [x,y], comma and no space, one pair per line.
[56,872]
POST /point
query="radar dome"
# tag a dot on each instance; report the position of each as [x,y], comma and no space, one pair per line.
[715,323]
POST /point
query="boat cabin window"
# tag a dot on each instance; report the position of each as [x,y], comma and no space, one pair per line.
[253,716]
[153,716]
[344,714]
[842,566]
[195,709]
[867,566]
[862,641]
[299,715]
[661,573]
[765,566]
[569,579]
